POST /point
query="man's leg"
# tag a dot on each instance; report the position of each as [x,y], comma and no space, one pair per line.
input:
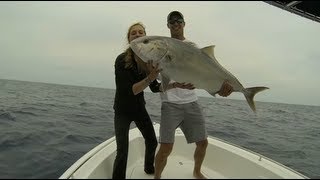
[199,155]
[194,130]
[161,158]
[171,117]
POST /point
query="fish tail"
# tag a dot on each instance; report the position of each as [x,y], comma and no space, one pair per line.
[249,93]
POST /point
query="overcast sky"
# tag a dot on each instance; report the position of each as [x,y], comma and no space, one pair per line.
[76,43]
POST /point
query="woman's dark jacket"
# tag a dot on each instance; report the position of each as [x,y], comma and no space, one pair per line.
[125,101]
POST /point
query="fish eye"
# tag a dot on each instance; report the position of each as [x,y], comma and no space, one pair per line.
[146,41]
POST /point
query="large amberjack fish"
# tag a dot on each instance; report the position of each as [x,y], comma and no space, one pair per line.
[183,62]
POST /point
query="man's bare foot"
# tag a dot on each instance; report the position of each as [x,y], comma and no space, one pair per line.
[199,175]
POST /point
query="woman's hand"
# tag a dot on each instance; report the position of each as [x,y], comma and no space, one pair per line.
[153,70]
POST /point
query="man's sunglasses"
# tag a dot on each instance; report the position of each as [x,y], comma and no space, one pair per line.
[179,21]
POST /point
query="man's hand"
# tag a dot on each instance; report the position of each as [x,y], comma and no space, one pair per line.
[226,89]
[183,85]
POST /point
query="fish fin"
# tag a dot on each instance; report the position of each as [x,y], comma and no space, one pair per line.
[164,82]
[209,51]
[249,93]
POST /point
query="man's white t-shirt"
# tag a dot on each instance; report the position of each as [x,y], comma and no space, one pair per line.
[178,95]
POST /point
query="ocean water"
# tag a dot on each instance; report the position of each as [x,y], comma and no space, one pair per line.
[45,128]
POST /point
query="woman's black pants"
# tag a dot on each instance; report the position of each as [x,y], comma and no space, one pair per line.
[122,126]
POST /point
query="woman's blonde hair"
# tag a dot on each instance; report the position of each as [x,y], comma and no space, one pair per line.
[129,53]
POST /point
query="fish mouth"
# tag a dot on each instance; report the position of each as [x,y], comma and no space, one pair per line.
[138,50]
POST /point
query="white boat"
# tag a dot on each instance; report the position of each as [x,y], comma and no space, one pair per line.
[223,160]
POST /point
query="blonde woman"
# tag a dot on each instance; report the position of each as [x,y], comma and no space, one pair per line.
[132,76]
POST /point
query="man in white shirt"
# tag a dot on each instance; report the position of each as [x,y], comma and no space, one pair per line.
[180,108]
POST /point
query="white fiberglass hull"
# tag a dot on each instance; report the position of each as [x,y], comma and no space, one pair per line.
[223,160]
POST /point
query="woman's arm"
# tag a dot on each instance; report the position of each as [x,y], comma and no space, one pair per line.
[141,85]
[154,72]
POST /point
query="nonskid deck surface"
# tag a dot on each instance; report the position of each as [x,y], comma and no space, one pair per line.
[177,167]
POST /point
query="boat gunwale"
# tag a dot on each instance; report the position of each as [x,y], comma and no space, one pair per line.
[86,157]
[250,152]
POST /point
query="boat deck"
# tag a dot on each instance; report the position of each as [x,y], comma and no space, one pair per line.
[177,167]
[223,161]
